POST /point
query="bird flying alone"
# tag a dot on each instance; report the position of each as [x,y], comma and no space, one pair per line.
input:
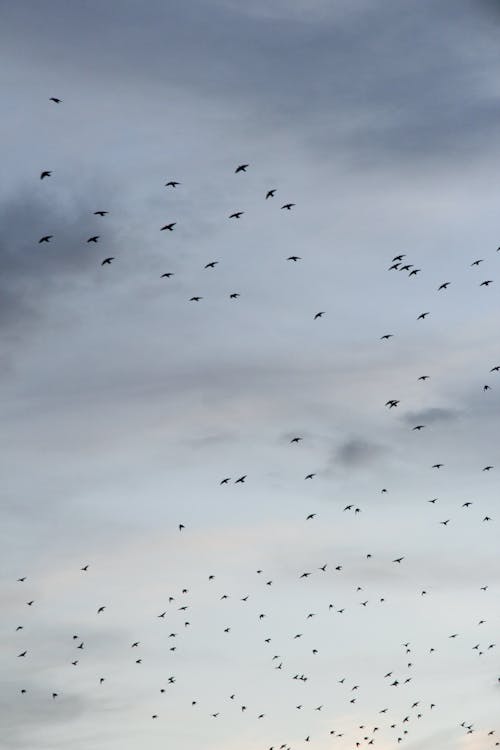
[170,226]
[107,261]
[44,174]
[241,168]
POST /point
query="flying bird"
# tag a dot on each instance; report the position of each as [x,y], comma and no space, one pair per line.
[44,174]
[107,261]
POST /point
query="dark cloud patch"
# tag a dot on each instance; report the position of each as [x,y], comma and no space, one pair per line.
[334,68]
[432,415]
[357,452]
[33,272]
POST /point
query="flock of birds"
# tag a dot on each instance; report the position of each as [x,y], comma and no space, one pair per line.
[397,725]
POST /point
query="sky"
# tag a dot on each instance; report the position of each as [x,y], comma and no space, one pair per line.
[124,404]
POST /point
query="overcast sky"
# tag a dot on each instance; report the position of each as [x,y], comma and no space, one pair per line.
[124,404]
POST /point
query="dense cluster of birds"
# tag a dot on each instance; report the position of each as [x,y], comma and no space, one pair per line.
[396,726]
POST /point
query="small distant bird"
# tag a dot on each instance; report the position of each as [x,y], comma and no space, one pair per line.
[107,261]
[414,272]
[172,183]
[294,257]
[85,568]
[95,238]
[288,206]
[444,286]
[100,213]
[101,609]
[170,226]
[495,369]
[166,275]
[419,427]
[422,316]
[236,215]
[23,653]
[45,173]
[295,440]
[486,283]
[195,299]
[181,526]
[423,377]
[55,100]
[309,476]
[477,262]
[225,480]
[46,238]
[270,193]
[234,295]
[241,479]
[437,466]
[319,314]
[212,264]
[488,468]
[398,257]
[392,403]
[398,560]
[387,336]
[310,516]
[241,168]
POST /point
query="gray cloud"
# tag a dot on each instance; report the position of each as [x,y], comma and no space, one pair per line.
[356,452]
[431,415]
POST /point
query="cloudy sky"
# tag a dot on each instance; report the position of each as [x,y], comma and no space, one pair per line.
[124,405]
